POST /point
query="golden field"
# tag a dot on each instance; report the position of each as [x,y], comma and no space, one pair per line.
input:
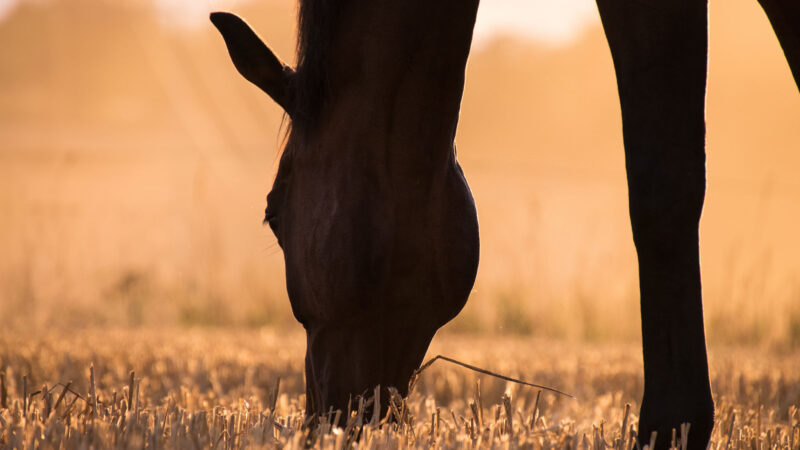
[217,389]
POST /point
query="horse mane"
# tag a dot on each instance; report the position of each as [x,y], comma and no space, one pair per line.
[318,22]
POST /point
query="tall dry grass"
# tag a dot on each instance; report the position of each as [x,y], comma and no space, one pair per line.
[236,389]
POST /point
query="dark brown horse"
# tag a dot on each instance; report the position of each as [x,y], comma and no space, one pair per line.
[375,218]
[376,221]
[659,50]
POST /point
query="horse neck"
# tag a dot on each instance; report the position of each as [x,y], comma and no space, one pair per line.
[395,75]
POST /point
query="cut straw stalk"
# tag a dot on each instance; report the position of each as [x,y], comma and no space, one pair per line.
[535,413]
[509,414]
[130,389]
[93,391]
[25,395]
[419,371]
[45,401]
[61,396]
[3,391]
[623,430]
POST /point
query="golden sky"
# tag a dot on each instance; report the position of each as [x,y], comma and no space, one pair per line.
[544,20]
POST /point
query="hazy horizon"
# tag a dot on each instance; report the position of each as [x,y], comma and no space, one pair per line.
[545,21]
[134,162]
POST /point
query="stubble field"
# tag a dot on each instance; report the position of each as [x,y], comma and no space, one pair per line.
[207,388]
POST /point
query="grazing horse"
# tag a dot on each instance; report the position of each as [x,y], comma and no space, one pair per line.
[659,49]
[377,224]
[375,218]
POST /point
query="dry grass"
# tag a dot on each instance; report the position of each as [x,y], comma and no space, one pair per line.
[217,389]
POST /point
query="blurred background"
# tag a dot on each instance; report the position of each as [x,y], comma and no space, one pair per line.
[134,163]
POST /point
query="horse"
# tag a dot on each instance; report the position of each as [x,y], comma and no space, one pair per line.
[377,224]
[659,51]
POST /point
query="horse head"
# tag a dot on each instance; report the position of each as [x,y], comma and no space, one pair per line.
[377,224]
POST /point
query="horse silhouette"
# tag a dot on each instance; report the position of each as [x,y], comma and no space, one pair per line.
[377,224]
[375,218]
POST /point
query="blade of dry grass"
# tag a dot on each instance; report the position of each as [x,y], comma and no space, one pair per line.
[3,391]
[419,371]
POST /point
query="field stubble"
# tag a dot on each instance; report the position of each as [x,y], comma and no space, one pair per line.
[202,388]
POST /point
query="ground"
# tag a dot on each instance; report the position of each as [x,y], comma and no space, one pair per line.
[216,388]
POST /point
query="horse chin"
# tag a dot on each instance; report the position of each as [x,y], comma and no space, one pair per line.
[348,360]
[370,318]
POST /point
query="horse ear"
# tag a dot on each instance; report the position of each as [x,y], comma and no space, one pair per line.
[254,60]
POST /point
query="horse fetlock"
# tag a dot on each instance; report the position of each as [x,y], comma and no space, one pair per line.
[691,418]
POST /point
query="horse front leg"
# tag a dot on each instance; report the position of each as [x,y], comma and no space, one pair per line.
[660,51]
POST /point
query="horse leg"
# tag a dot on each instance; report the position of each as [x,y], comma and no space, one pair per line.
[660,57]
[784,15]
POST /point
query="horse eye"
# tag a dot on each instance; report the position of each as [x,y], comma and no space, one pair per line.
[271,219]
[273,223]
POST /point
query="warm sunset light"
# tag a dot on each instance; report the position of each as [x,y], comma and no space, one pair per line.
[134,165]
